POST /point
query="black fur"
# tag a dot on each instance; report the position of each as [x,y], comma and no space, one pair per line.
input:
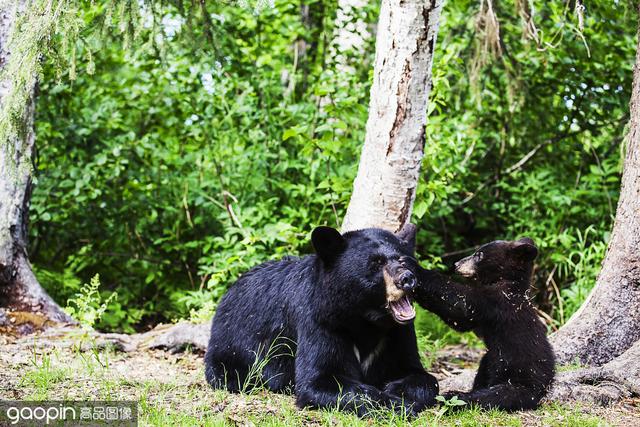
[518,367]
[330,310]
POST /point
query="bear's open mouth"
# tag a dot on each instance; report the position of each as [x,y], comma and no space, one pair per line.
[398,302]
[402,310]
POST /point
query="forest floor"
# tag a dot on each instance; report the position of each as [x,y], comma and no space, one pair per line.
[170,390]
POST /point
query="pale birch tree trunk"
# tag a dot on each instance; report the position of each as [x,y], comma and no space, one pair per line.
[19,289]
[388,172]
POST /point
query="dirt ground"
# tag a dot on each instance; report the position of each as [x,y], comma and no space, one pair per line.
[170,388]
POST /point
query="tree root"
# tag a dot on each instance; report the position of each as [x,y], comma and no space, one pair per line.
[591,385]
[172,338]
[175,338]
[601,385]
[616,380]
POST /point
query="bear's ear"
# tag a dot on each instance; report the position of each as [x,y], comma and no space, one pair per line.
[327,242]
[525,249]
[408,235]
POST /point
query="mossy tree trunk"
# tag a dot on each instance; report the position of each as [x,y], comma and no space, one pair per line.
[19,288]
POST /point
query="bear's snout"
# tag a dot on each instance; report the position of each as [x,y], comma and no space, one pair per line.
[406,281]
[403,278]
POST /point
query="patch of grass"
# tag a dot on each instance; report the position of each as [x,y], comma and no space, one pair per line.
[160,415]
[42,378]
[172,391]
[573,366]
[555,414]
[477,417]
[95,361]
[255,381]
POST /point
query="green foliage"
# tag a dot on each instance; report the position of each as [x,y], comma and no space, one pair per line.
[170,172]
[435,334]
[533,145]
[51,27]
[87,306]
[196,147]
[447,405]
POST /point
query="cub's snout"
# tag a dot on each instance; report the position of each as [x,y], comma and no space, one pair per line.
[466,267]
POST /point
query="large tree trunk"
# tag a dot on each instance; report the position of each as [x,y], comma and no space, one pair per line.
[384,189]
[608,323]
[19,289]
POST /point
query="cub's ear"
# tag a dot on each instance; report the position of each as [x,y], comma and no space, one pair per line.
[408,235]
[526,240]
[525,249]
[327,242]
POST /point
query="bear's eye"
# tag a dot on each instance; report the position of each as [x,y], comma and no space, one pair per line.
[377,261]
[478,256]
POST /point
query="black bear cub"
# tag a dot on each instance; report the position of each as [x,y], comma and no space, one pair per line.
[335,327]
[518,367]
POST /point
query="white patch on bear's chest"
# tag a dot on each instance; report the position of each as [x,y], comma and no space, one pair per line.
[371,357]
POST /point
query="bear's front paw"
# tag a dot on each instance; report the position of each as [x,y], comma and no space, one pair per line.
[419,395]
[396,388]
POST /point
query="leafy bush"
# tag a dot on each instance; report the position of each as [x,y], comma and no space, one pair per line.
[195,154]
[170,173]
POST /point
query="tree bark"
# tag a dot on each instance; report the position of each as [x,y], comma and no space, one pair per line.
[19,288]
[384,188]
[608,323]
[616,380]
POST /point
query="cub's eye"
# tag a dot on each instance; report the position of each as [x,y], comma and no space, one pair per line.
[377,261]
[478,255]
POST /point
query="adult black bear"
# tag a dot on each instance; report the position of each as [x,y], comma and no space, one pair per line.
[345,315]
[518,367]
